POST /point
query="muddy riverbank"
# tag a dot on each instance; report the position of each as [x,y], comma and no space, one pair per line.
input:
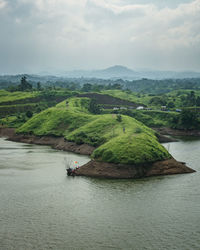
[101,169]
[55,142]
[176,132]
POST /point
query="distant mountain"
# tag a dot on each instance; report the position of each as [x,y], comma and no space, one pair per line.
[118,71]
[112,73]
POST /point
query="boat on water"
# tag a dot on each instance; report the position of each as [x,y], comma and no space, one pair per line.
[71,168]
[70,171]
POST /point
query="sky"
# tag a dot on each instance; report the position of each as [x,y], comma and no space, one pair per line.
[60,35]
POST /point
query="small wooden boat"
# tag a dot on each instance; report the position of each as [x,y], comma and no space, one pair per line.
[70,171]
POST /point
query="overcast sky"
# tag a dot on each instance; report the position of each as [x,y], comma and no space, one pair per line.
[60,35]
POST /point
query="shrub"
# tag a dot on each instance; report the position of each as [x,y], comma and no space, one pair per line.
[29,114]
[138,130]
[119,118]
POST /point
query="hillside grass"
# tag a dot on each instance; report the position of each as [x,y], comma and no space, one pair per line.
[129,96]
[131,149]
[6,96]
[13,121]
[153,118]
[127,141]
[14,105]
[57,120]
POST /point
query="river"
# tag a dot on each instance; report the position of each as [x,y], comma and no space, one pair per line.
[42,208]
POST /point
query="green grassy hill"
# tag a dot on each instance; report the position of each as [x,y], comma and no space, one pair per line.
[6,96]
[129,96]
[118,139]
[14,105]
[58,120]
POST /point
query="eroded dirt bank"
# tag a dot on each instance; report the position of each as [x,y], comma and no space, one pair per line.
[110,170]
[55,142]
[177,132]
[101,169]
[7,132]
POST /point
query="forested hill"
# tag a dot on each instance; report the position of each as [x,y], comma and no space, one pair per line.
[92,84]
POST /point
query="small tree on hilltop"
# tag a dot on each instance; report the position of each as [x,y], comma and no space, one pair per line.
[119,118]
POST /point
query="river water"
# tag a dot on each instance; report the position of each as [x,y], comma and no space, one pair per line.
[42,208]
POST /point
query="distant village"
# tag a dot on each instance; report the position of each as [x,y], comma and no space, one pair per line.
[162,108]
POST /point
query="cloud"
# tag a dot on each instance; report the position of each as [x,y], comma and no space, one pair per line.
[2,4]
[60,34]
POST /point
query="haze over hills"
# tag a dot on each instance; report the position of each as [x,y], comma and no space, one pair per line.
[111,73]
[125,73]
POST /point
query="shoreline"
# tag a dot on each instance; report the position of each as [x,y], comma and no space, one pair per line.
[163,131]
[58,143]
[119,171]
[101,169]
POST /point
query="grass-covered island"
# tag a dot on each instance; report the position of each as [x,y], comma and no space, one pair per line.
[119,145]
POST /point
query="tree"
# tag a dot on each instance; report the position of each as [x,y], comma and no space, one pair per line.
[24,85]
[117,86]
[158,101]
[119,118]
[39,87]
[189,119]
[170,105]
[198,101]
[87,87]
[190,99]
[29,114]
[94,107]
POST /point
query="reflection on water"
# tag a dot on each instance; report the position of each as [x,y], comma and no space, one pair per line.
[42,208]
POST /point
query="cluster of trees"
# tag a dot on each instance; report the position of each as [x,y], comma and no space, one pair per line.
[188,119]
[190,99]
[161,86]
[87,87]
[162,101]
[187,100]
[158,101]
[23,117]
[24,86]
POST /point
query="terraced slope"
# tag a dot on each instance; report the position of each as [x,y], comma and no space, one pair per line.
[109,101]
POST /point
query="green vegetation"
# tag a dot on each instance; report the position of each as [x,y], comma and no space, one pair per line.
[153,118]
[120,134]
[6,96]
[187,120]
[126,142]
[24,84]
[15,105]
[94,107]
[129,96]
[64,117]
[14,121]
[172,100]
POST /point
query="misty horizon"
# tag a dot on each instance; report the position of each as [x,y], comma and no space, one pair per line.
[57,36]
